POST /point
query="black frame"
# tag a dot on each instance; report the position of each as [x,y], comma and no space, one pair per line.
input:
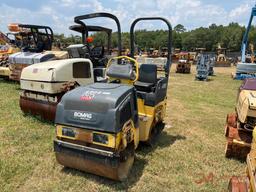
[34,29]
[85,29]
[169,46]
[79,21]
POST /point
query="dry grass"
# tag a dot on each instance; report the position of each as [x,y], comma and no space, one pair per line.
[188,156]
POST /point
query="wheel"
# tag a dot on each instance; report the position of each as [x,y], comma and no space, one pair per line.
[126,162]
[155,131]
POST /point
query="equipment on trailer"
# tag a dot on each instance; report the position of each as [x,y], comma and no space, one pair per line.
[44,84]
[184,63]
[99,126]
[36,45]
[202,68]
[240,124]
[247,67]
[246,183]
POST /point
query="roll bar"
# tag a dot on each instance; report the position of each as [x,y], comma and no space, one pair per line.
[34,29]
[85,29]
[169,46]
[79,21]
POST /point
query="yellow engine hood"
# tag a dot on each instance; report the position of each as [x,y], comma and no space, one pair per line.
[246,105]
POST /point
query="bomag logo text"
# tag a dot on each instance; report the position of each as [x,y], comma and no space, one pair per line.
[83,116]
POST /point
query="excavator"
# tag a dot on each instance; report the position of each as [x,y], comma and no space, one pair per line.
[99,126]
[36,45]
[44,84]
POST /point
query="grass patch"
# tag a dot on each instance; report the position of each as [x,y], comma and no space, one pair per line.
[188,156]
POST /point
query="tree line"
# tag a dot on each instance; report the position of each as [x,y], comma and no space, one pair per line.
[229,37]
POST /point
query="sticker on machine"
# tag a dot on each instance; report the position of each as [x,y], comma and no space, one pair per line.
[82,116]
[90,95]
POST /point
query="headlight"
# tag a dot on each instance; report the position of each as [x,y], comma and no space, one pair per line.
[100,138]
[68,132]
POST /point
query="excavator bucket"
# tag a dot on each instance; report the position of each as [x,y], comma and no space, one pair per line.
[238,140]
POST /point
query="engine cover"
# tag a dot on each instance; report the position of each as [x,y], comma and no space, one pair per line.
[30,58]
[99,106]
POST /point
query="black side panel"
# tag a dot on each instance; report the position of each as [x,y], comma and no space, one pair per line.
[148,73]
[153,98]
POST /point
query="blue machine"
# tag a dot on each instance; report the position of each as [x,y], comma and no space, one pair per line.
[244,69]
[202,68]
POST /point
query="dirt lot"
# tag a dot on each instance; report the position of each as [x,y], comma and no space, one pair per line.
[189,154]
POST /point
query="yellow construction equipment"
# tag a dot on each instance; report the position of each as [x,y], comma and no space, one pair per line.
[246,183]
[43,84]
[240,124]
[7,47]
[99,126]
[36,45]
[184,63]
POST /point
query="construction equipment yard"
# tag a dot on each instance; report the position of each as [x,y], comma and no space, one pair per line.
[187,156]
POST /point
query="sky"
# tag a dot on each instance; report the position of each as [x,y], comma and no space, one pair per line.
[59,14]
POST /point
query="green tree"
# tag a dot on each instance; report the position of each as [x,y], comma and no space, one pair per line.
[179,28]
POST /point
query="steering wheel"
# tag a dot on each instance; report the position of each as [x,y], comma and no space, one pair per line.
[125,60]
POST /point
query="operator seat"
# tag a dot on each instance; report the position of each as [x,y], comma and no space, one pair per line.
[147,78]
